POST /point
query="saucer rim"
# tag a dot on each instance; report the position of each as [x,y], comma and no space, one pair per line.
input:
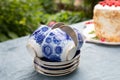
[49,74]
[57,63]
[57,71]
[58,67]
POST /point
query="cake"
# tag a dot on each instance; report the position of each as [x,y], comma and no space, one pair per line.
[107,20]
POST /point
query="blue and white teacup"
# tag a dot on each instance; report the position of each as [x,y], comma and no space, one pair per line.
[35,40]
[59,44]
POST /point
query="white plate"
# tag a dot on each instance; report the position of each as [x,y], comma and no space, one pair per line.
[89,33]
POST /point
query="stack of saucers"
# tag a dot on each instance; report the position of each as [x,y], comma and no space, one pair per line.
[49,68]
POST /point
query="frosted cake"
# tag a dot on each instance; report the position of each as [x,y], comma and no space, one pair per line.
[107,20]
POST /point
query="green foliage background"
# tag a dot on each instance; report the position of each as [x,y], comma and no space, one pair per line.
[21,17]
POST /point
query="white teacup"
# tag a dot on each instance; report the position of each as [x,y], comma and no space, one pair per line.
[35,40]
[58,44]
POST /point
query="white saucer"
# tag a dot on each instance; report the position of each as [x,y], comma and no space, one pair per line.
[44,66]
[55,72]
[57,63]
[90,36]
[49,74]
[56,66]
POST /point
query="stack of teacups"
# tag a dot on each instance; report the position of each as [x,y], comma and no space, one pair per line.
[56,49]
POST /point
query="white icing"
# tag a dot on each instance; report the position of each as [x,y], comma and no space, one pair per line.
[113,7]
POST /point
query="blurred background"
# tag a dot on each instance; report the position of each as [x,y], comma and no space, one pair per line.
[21,17]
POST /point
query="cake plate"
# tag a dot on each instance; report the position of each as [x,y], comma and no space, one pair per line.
[90,36]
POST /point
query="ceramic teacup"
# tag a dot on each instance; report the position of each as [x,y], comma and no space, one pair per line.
[35,39]
[58,44]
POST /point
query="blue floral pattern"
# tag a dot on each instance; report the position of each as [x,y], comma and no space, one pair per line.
[44,29]
[56,41]
[39,38]
[48,40]
[68,37]
[51,34]
[58,49]
[47,49]
[40,34]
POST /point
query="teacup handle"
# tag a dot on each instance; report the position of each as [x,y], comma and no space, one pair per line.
[70,32]
[57,25]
